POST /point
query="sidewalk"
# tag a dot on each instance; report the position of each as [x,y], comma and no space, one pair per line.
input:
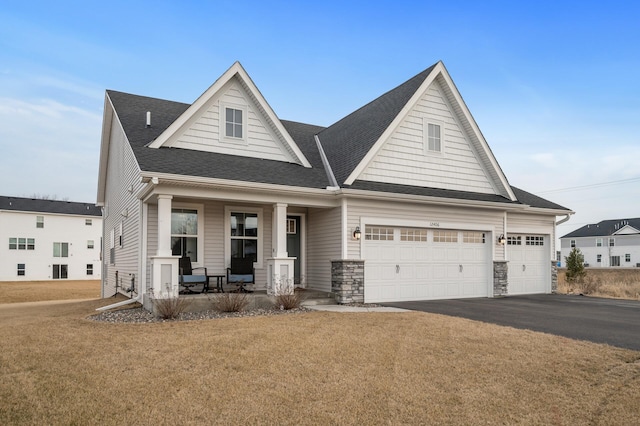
[346,308]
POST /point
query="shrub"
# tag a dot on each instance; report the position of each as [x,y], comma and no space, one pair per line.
[575,266]
[289,301]
[229,302]
[170,308]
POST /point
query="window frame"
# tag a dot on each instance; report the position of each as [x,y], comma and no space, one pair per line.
[88,222]
[59,269]
[223,122]
[599,242]
[598,258]
[227,232]
[90,269]
[612,242]
[40,222]
[572,243]
[90,244]
[199,208]
[426,136]
[627,257]
[61,249]
[21,267]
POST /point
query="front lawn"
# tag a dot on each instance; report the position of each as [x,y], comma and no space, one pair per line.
[58,367]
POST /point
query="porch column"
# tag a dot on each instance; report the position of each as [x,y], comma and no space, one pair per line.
[280,266]
[164,266]
[164,225]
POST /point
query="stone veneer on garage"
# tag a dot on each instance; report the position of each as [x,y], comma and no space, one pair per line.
[500,278]
[347,280]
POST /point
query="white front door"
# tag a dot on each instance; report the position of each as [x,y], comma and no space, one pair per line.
[403,264]
[529,266]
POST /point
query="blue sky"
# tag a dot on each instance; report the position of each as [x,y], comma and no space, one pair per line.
[554,86]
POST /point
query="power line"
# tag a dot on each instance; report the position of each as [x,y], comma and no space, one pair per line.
[593,185]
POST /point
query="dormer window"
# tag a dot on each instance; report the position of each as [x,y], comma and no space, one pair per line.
[233,123]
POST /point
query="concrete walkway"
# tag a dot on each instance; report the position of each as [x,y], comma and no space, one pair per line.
[346,308]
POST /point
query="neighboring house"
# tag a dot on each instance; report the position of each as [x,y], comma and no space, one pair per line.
[400,200]
[49,240]
[610,243]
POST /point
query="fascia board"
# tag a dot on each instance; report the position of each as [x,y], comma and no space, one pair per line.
[107,120]
[202,182]
[373,152]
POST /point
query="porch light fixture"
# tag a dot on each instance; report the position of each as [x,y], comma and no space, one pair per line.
[357,234]
[501,240]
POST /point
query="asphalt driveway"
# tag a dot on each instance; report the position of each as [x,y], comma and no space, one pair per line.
[611,321]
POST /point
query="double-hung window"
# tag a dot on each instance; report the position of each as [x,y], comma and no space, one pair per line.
[39,221]
[184,233]
[21,269]
[233,123]
[433,133]
[244,235]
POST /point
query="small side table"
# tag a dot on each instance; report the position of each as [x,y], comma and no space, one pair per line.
[219,279]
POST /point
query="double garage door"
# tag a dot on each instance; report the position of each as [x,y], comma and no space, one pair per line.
[405,264]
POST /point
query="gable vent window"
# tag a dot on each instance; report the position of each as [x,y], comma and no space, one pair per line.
[233,123]
[433,133]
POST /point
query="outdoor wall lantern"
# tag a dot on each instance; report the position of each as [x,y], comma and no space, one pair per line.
[501,240]
[357,234]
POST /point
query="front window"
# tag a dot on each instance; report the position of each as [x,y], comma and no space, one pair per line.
[90,244]
[60,249]
[612,242]
[573,243]
[244,235]
[60,272]
[627,257]
[233,123]
[89,269]
[599,258]
[598,242]
[88,222]
[434,138]
[184,233]
[21,269]
[39,221]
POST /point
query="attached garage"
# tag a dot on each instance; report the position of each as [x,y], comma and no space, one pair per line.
[403,264]
[529,264]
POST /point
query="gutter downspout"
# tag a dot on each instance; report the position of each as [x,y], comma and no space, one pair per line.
[123,303]
[563,220]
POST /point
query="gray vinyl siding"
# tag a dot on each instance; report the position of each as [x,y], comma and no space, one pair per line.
[403,159]
[206,132]
[478,219]
[121,205]
[323,246]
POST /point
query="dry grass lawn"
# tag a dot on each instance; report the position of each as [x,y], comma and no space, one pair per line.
[604,282]
[58,367]
[36,291]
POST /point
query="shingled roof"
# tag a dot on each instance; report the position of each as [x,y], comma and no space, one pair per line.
[604,228]
[345,144]
[37,205]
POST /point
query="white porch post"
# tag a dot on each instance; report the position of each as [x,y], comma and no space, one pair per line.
[164,271]
[280,266]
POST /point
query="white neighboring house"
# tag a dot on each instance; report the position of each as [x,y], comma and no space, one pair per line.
[49,240]
[400,200]
[610,243]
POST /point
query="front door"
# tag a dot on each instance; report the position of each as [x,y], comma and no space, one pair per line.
[293,244]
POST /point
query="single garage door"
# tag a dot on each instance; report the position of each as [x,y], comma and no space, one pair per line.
[403,264]
[529,264]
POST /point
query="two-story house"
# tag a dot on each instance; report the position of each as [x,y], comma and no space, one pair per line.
[49,240]
[609,243]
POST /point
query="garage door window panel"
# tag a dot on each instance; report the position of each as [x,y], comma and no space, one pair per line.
[378,234]
[444,236]
[413,234]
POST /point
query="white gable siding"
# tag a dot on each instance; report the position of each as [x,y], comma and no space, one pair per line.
[121,207]
[403,160]
[206,131]
[519,223]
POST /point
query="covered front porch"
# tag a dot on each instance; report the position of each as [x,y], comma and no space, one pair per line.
[276,233]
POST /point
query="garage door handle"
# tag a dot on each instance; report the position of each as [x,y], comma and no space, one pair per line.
[397,269]
[461,267]
[524,268]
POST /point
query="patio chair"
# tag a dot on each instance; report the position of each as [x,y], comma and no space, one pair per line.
[187,279]
[240,273]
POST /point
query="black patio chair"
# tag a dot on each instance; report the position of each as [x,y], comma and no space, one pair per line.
[188,280]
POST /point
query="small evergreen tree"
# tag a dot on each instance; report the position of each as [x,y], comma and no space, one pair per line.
[575,266]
